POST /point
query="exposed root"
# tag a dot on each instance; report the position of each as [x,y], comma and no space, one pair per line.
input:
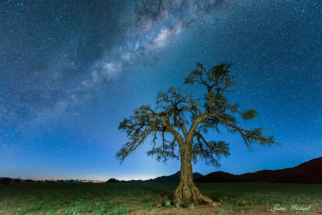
[184,196]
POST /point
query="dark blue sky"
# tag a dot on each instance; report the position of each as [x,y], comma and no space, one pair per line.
[70,72]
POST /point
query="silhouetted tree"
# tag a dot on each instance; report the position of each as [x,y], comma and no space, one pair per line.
[176,105]
[71,181]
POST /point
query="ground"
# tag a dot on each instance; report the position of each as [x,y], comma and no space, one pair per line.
[156,198]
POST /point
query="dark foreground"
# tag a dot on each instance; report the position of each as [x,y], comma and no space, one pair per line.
[155,198]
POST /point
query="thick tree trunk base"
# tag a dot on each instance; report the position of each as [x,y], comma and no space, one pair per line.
[187,192]
[185,195]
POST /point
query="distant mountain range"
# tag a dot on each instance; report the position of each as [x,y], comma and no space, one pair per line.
[52,180]
[171,178]
[309,172]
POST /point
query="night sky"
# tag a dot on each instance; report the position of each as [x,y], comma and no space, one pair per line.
[71,71]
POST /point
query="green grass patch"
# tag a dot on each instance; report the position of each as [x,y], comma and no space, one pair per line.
[118,198]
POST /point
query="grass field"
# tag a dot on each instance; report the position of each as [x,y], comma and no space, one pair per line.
[142,198]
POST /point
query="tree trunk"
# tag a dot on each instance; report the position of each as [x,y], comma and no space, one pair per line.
[187,192]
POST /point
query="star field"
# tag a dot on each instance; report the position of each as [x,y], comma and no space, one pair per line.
[71,71]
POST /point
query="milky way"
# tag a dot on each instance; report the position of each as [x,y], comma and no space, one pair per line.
[70,72]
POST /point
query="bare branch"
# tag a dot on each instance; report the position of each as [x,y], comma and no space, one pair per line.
[176,104]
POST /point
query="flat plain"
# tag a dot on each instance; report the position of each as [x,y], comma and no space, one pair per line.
[155,198]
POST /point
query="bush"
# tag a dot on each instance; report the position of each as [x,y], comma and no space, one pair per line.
[71,181]
[29,180]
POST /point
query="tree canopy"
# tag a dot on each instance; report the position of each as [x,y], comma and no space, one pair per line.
[176,109]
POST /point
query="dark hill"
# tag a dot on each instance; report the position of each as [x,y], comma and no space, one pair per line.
[218,177]
[173,178]
[309,172]
[163,179]
[113,180]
